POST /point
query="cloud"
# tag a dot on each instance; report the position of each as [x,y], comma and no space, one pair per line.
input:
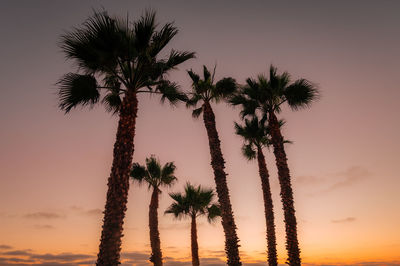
[345,220]
[93,212]
[24,252]
[43,226]
[347,178]
[43,215]
[27,257]
[134,258]
[5,247]
[350,177]
[82,211]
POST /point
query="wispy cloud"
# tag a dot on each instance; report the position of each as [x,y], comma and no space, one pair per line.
[43,215]
[352,176]
[345,220]
[43,226]
[5,247]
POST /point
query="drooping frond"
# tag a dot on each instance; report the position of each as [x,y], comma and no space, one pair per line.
[197,112]
[177,210]
[76,89]
[213,212]
[170,91]
[301,94]
[167,174]
[138,173]
[248,152]
[225,88]
[112,102]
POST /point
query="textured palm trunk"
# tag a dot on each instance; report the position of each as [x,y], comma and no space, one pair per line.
[269,208]
[292,244]
[218,165]
[156,255]
[195,246]
[118,184]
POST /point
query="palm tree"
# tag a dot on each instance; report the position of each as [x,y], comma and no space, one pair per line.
[256,136]
[267,96]
[196,201]
[205,92]
[117,60]
[155,177]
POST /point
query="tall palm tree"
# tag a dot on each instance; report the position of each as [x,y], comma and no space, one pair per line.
[117,60]
[266,95]
[155,177]
[204,91]
[195,202]
[256,136]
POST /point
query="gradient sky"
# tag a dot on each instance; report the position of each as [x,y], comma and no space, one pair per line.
[344,160]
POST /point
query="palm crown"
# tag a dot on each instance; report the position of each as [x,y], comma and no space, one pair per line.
[118,56]
[256,134]
[153,174]
[268,94]
[206,91]
[195,201]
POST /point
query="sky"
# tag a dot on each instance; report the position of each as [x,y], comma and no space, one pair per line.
[343,160]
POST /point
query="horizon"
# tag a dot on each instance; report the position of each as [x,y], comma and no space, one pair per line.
[343,159]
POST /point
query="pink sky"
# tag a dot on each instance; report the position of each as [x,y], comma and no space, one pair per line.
[54,167]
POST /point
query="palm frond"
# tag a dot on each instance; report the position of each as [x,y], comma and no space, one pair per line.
[138,173]
[153,167]
[76,89]
[112,102]
[206,74]
[144,29]
[195,78]
[161,38]
[301,94]
[213,212]
[226,87]
[170,91]
[248,152]
[95,46]
[197,112]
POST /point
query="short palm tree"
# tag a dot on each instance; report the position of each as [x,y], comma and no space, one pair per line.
[117,60]
[256,137]
[154,176]
[204,91]
[195,202]
[266,95]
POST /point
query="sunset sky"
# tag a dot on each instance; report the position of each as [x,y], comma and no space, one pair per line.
[344,158]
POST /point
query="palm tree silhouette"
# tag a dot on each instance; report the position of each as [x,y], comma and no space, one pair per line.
[155,177]
[195,202]
[256,137]
[117,60]
[205,91]
[266,95]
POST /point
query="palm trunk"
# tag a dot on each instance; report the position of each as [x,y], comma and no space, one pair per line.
[217,163]
[156,255]
[118,184]
[195,246]
[292,244]
[269,208]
